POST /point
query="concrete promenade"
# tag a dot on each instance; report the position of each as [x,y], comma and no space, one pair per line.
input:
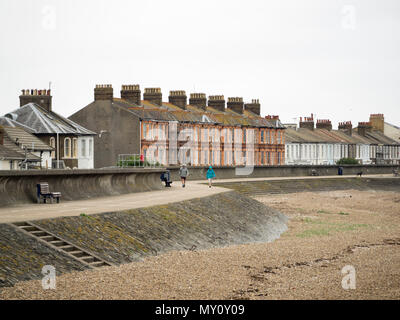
[193,189]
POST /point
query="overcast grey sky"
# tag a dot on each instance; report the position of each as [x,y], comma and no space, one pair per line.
[338,59]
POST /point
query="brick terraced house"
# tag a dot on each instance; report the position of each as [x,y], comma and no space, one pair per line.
[199,133]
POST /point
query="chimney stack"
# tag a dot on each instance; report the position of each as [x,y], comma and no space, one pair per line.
[217,102]
[377,121]
[307,123]
[178,98]
[324,124]
[41,97]
[254,106]
[131,93]
[346,126]
[103,92]
[198,100]
[153,95]
[269,117]
[363,128]
[235,104]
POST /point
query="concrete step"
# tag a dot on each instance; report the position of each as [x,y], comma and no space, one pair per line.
[62,245]
[67,248]
[29,228]
[39,233]
[90,259]
[48,238]
[58,243]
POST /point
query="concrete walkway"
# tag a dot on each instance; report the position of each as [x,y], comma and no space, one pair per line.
[193,189]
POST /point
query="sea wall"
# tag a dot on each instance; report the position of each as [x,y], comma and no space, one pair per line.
[224,172]
[18,187]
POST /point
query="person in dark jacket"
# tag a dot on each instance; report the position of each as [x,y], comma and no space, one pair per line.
[210,176]
[166,177]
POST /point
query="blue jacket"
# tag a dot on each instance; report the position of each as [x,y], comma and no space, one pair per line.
[210,174]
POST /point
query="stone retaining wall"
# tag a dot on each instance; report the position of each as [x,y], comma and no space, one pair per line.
[18,187]
[198,173]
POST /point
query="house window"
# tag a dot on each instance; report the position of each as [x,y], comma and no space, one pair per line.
[83,148]
[144,131]
[262,135]
[67,147]
[74,147]
[90,147]
[53,145]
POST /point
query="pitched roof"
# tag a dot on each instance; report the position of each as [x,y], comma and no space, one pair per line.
[8,122]
[41,121]
[377,137]
[392,125]
[170,112]
[23,138]
[304,135]
[8,154]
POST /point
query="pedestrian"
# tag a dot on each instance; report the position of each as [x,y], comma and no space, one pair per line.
[210,176]
[183,173]
[166,177]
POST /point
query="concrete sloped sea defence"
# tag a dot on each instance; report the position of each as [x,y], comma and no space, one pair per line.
[223,219]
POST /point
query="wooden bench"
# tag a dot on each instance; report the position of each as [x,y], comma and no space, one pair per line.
[42,191]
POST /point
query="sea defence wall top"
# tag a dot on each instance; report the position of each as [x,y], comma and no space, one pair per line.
[19,187]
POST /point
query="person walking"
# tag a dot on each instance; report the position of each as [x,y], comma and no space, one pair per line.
[210,176]
[183,173]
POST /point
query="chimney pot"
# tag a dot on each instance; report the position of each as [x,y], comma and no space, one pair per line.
[103,92]
[254,106]
[236,104]
[217,102]
[178,98]
[153,95]
[307,122]
[131,93]
[36,96]
[199,100]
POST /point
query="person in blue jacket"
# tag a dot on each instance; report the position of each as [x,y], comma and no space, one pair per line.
[210,176]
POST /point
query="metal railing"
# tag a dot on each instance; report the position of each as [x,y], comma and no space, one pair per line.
[136,161]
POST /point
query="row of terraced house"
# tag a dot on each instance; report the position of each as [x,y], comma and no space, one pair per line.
[202,132]
[198,130]
[318,144]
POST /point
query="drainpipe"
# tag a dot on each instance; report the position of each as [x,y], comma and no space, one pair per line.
[140,137]
[58,150]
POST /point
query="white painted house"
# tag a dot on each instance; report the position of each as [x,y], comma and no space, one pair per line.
[71,143]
